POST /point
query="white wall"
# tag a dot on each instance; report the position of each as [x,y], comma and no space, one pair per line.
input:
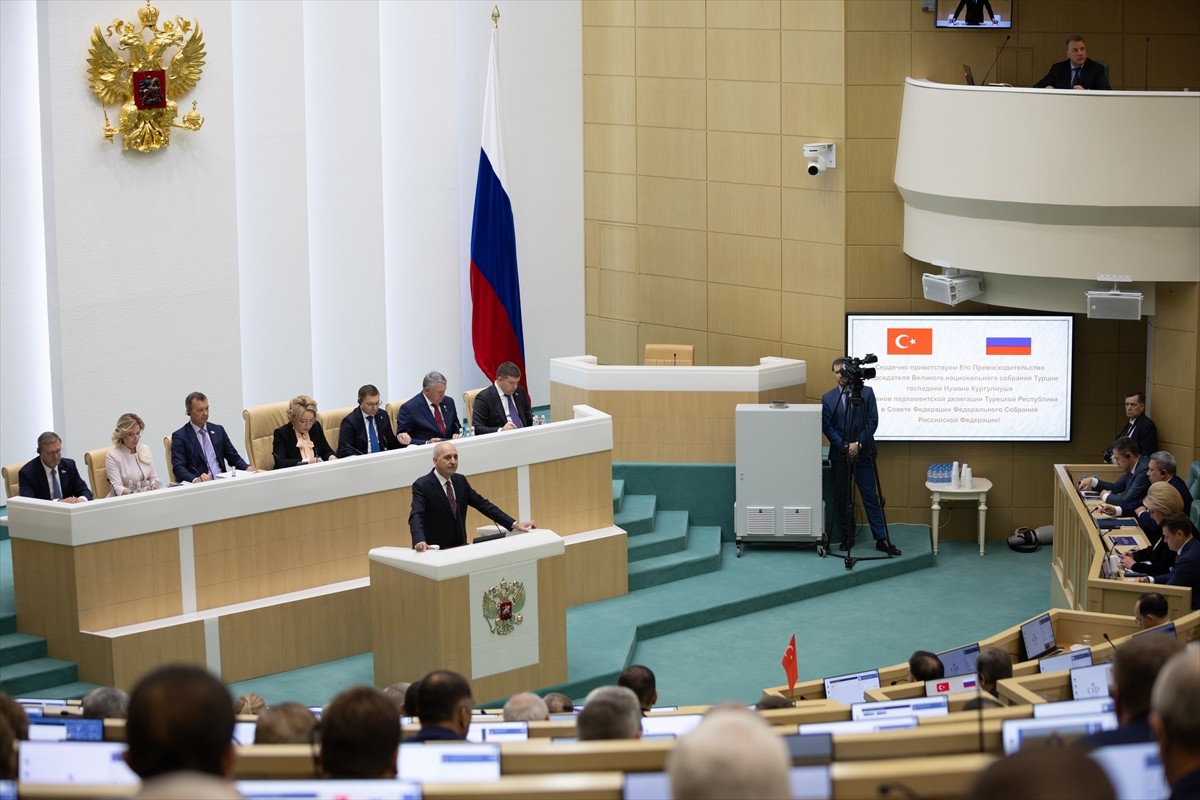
[313,236]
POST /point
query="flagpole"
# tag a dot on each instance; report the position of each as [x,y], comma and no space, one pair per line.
[495,17]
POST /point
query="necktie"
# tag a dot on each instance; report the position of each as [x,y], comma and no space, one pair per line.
[210,457]
[1075,76]
[512,412]
[437,415]
[55,487]
[450,499]
[372,437]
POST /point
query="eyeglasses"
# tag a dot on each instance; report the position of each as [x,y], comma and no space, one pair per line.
[306,422]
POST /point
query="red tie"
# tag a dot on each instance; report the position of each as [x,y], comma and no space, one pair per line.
[451,500]
[437,415]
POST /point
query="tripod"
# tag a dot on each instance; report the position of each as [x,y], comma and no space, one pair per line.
[846,464]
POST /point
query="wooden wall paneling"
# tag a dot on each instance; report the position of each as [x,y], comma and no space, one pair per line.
[123,581]
[563,399]
[672,153]
[1162,17]
[874,218]
[674,302]
[878,15]
[873,112]
[753,261]
[747,106]
[877,57]
[813,109]
[283,637]
[500,487]
[671,203]
[1175,351]
[671,13]
[670,102]
[44,589]
[597,568]
[809,319]
[609,100]
[136,654]
[610,197]
[591,291]
[812,15]
[618,247]
[743,55]
[743,158]
[618,295]
[744,311]
[795,165]
[814,216]
[870,165]
[608,51]
[672,252]
[813,268]
[820,379]
[552,623]
[876,271]
[572,495]
[670,52]
[743,14]
[608,12]
[610,148]
[739,351]
[665,334]
[612,342]
[813,56]
[744,209]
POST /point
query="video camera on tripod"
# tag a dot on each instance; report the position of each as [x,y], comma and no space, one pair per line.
[854,368]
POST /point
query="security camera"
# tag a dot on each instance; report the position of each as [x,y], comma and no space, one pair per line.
[821,156]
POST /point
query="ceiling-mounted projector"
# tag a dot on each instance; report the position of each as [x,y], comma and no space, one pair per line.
[951,289]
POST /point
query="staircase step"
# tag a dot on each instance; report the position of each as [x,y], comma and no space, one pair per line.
[65,691]
[703,554]
[670,535]
[8,624]
[618,494]
[31,676]
[18,647]
[637,514]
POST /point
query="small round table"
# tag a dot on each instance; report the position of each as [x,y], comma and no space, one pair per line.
[978,491]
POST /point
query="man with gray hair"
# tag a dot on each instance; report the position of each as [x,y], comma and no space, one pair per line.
[430,416]
[1175,718]
[731,753]
[106,702]
[50,476]
[609,712]
[526,707]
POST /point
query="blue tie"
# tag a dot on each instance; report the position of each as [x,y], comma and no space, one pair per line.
[512,412]
[372,438]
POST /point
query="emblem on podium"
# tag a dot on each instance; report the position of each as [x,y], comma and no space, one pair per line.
[502,605]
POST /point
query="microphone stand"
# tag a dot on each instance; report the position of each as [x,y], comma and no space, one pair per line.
[994,60]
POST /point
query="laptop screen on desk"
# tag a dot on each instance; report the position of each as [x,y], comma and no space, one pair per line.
[912,707]
[1071,660]
[850,689]
[1038,637]
[444,762]
[960,661]
[1091,681]
[74,763]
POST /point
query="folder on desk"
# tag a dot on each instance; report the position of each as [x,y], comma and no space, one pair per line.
[1115,522]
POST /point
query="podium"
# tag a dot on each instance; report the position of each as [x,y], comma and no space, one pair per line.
[494,612]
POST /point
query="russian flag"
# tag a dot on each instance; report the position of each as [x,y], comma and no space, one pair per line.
[1009,346]
[496,332]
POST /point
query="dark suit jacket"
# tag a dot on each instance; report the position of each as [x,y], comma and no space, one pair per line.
[490,415]
[833,422]
[975,11]
[1129,490]
[287,453]
[431,521]
[415,419]
[32,480]
[1186,571]
[1144,432]
[1059,76]
[187,456]
[352,436]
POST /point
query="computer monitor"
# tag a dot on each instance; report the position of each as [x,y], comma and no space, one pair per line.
[809,748]
[1091,681]
[952,685]
[66,729]
[1038,732]
[1135,770]
[445,762]
[959,661]
[1167,628]
[812,782]
[1069,660]
[244,733]
[673,725]
[74,763]
[317,789]
[1037,636]
[850,689]
[871,725]
[938,706]
[1073,708]
[492,731]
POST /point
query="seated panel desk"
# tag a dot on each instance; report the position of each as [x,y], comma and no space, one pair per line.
[673,414]
[267,572]
[1075,580]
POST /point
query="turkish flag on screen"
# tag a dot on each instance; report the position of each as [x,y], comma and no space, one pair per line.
[910,341]
[790,668]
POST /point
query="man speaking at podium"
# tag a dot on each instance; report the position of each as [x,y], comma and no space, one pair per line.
[854,449]
[439,504]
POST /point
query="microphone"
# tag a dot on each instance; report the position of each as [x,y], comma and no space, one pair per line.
[349,446]
[994,60]
[1110,642]
[1146,67]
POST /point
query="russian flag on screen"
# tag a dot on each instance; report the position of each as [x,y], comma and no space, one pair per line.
[496,332]
[1009,346]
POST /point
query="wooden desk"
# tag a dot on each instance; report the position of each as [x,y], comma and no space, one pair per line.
[978,491]
[268,572]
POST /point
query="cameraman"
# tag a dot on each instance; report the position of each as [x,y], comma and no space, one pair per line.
[853,449]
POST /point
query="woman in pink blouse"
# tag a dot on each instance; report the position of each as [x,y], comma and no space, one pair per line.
[129,464]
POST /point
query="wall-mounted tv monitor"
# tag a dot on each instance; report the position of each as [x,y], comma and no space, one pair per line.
[960,377]
[986,14]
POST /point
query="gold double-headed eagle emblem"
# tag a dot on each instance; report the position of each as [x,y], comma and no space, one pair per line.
[502,605]
[147,90]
